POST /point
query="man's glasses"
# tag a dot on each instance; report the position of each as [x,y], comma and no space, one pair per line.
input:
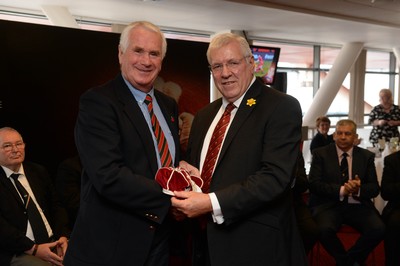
[231,65]
[7,147]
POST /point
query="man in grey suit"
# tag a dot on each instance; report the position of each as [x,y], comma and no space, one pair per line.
[343,183]
[249,193]
[123,214]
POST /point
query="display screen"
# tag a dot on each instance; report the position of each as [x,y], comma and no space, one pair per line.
[266,62]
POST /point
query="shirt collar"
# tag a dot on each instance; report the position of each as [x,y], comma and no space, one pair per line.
[238,101]
[138,94]
[340,152]
[8,171]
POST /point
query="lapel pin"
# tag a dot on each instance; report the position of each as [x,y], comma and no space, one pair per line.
[251,101]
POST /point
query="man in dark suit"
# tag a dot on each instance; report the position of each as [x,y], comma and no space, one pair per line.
[390,191]
[123,214]
[249,194]
[20,244]
[343,183]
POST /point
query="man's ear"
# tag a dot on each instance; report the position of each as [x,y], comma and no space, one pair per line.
[334,136]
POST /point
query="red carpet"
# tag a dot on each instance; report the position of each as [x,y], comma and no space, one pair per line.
[319,257]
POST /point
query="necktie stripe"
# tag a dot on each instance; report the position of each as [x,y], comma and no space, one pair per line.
[35,219]
[162,144]
[215,146]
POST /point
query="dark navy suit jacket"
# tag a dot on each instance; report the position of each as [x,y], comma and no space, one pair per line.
[122,208]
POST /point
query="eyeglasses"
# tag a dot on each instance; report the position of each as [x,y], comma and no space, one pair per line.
[9,146]
[231,65]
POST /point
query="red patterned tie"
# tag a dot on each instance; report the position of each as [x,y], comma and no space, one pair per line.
[165,156]
[215,146]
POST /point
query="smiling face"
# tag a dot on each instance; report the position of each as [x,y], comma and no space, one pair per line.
[323,128]
[231,69]
[141,60]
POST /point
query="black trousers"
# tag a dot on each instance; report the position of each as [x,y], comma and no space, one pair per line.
[365,219]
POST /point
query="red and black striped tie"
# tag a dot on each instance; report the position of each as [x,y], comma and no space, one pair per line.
[162,144]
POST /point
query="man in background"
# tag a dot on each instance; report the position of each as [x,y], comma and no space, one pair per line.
[343,183]
[33,226]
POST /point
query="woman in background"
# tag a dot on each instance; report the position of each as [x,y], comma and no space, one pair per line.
[321,138]
[384,118]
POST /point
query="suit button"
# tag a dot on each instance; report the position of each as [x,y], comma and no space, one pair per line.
[151,227]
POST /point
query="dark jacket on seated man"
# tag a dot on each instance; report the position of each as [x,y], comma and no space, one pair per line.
[13,219]
[343,182]
[32,221]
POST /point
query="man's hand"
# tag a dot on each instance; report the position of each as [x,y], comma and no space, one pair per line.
[62,246]
[189,168]
[45,252]
[352,186]
[177,215]
[192,204]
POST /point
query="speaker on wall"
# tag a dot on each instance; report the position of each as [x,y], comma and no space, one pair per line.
[280,82]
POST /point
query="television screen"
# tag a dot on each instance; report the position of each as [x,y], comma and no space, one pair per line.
[266,62]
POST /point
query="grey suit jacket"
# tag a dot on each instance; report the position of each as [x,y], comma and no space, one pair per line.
[252,180]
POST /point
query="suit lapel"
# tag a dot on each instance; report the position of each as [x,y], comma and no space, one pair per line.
[170,119]
[135,115]
[6,183]
[35,183]
[201,132]
[334,158]
[355,163]
[241,116]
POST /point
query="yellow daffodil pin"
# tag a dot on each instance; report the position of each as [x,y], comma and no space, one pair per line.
[251,101]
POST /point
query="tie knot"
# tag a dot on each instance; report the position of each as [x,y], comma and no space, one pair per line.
[229,107]
[148,99]
[345,155]
[14,176]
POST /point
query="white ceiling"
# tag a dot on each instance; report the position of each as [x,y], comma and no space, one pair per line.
[376,23]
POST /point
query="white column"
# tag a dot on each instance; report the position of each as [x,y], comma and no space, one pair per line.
[60,16]
[331,85]
[357,81]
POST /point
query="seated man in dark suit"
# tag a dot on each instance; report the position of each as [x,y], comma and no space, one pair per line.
[391,213]
[343,183]
[32,223]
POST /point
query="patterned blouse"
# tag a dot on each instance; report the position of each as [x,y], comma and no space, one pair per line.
[385,131]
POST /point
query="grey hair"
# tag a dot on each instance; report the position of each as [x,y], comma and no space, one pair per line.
[124,38]
[223,39]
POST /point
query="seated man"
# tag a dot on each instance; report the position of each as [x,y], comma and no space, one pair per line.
[391,212]
[32,223]
[343,183]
